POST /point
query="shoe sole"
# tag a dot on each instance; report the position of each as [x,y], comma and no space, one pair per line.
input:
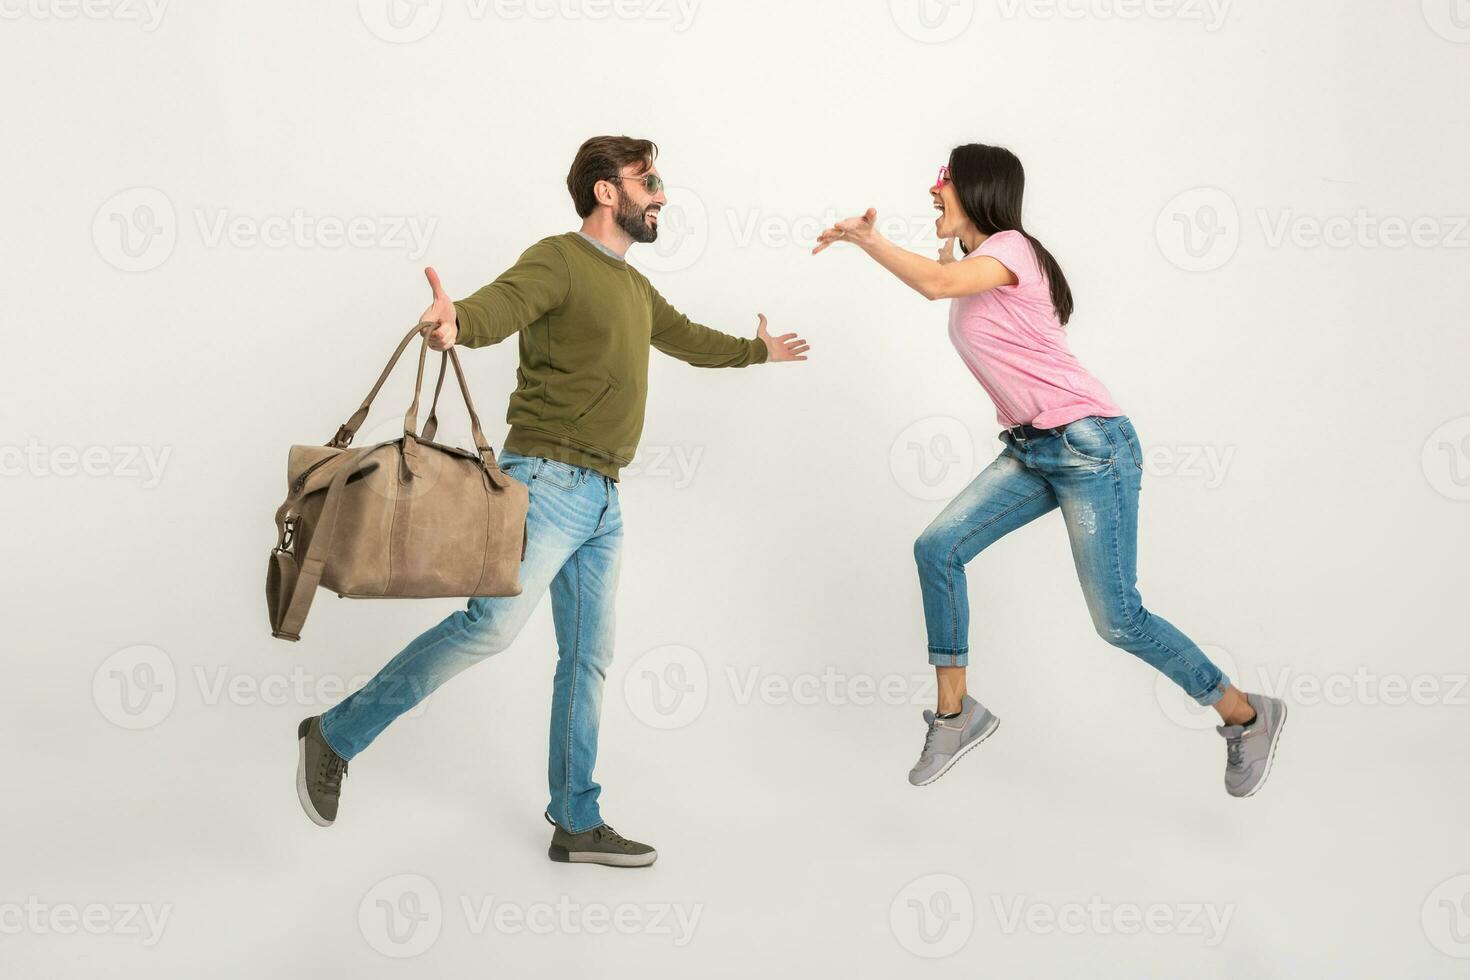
[561,855]
[1270,755]
[301,793]
[989,731]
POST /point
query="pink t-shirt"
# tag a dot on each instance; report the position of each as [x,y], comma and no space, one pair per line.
[1012,342]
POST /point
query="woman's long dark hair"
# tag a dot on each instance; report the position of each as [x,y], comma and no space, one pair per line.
[989,182]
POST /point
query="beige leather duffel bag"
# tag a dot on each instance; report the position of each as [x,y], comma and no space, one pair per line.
[408,519]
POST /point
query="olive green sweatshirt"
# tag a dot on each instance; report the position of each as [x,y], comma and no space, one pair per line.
[586,320]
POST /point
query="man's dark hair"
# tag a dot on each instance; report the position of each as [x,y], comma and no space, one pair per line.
[603,158]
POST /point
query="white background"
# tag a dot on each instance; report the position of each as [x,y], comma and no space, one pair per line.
[1304,515]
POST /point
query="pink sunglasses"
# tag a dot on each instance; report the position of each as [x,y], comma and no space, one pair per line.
[943,177]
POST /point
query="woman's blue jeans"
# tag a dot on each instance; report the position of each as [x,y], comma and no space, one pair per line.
[1092,470]
[574,534]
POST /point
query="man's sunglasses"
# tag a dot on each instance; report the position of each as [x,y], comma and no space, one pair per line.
[652,182]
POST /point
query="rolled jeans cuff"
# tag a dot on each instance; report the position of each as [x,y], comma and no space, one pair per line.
[948,658]
[1214,694]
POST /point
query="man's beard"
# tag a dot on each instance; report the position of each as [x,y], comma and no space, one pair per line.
[631,218]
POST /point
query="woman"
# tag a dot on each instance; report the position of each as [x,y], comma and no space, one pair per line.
[1067,446]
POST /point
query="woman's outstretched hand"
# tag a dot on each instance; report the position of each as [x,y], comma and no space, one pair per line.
[859,231]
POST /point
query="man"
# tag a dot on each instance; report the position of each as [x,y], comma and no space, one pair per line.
[586,320]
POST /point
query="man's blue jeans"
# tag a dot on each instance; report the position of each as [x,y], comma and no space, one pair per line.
[574,534]
[1092,470]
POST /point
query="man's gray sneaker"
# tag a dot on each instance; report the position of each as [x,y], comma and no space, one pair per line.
[600,845]
[319,772]
[950,738]
[1249,749]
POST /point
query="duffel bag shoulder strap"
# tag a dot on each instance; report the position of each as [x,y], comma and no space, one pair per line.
[289,589]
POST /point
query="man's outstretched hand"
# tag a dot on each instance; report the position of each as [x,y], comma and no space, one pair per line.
[787,347]
[440,312]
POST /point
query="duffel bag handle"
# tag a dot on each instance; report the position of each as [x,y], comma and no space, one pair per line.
[410,418]
[348,429]
[431,424]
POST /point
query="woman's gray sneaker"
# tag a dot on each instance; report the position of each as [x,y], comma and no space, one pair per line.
[600,845]
[950,738]
[1250,749]
[319,772]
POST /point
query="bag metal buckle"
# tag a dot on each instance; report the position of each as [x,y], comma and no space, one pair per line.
[288,536]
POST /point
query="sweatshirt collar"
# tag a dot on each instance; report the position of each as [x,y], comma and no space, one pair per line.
[600,247]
